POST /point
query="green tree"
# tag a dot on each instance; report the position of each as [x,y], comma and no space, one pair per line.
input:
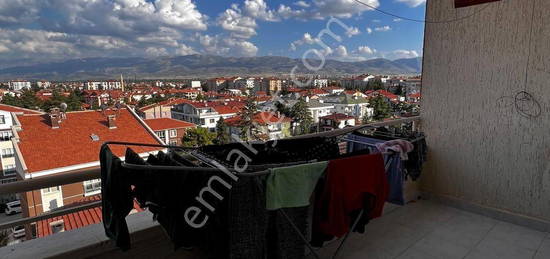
[247,117]
[222,132]
[29,100]
[198,137]
[282,109]
[375,85]
[381,107]
[301,116]
[11,100]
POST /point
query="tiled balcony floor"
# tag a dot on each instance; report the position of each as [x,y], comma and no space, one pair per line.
[428,230]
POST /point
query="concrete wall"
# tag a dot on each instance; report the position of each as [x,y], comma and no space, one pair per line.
[481,149]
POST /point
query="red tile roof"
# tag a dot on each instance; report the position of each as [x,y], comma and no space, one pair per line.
[338,117]
[261,118]
[9,108]
[45,148]
[167,123]
[415,95]
[76,219]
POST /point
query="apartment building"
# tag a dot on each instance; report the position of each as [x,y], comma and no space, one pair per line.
[351,105]
[205,114]
[103,85]
[336,121]
[267,126]
[170,131]
[57,143]
[18,85]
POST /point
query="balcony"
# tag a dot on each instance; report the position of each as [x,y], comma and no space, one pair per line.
[431,227]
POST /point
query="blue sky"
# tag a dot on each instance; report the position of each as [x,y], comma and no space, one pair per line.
[41,30]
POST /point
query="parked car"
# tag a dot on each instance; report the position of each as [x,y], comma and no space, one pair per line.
[18,232]
[13,207]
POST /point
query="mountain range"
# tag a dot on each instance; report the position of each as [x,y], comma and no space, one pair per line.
[194,66]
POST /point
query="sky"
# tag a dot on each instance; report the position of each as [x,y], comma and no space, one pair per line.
[50,30]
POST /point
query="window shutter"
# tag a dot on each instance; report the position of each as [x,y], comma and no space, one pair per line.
[465,3]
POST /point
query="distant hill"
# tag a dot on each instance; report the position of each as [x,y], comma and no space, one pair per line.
[199,66]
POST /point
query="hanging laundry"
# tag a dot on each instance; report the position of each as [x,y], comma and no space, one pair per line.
[417,158]
[394,171]
[289,187]
[349,184]
[400,146]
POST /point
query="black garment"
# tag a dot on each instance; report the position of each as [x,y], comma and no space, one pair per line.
[417,158]
[116,198]
[279,151]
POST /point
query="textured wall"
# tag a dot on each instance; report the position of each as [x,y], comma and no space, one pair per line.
[481,149]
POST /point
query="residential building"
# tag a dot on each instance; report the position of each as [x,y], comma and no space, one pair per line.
[268,126]
[320,83]
[103,85]
[335,121]
[216,84]
[351,105]
[318,108]
[56,143]
[196,84]
[43,84]
[159,110]
[205,114]
[18,85]
[170,131]
[271,85]
[361,81]
[7,151]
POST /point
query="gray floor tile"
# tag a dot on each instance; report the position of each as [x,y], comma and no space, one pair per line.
[496,248]
[439,247]
[544,250]
[517,235]
[415,254]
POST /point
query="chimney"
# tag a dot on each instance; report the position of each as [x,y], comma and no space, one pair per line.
[111,121]
[55,118]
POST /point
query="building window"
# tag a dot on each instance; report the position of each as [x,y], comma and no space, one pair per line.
[8,180]
[202,122]
[173,143]
[7,152]
[173,133]
[5,135]
[92,187]
[57,226]
[212,120]
[161,134]
[51,189]
[2,119]
[9,170]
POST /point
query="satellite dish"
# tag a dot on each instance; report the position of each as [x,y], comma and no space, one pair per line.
[63,107]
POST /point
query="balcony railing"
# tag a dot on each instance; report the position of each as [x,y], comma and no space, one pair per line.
[144,219]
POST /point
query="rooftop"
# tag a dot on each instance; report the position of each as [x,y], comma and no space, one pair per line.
[337,117]
[167,123]
[71,143]
[9,108]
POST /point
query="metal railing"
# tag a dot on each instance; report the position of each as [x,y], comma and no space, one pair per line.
[95,173]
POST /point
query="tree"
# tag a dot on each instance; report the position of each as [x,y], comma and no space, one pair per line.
[282,109]
[198,137]
[11,100]
[375,85]
[247,117]
[301,116]
[381,107]
[222,134]
[29,100]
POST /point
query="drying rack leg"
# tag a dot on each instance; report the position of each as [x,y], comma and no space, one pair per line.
[347,234]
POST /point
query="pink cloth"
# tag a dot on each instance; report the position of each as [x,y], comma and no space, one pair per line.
[398,145]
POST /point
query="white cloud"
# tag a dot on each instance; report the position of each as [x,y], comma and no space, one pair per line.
[156,52]
[18,11]
[306,39]
[343,8]
[383,28]
[341,51]
[401,53]
[184,50]
[258,9]
[238,25]
[365,50]
[412,3]
[352,31]
[376,21]
[369,30]
[221,45]
[397,19]
[302,4]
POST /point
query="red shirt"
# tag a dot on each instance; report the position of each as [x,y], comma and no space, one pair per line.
[349,183]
